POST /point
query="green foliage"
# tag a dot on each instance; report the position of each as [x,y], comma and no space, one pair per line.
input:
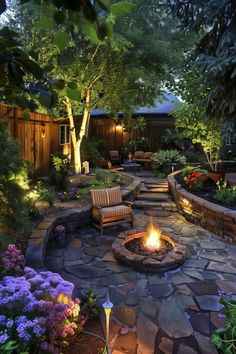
[191,120]
[89,304]
[102,174]
[162,157]
[141,143]
[90,150]
[189,170]
[41,193]
[60,172]
[194,157]
[225,194]
[216,50]
[225,338]
[119,178]
[13,184]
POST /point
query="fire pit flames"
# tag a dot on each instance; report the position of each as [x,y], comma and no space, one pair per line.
[153,239]
[149,251]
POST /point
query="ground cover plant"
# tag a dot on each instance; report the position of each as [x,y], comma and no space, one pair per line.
[225,338]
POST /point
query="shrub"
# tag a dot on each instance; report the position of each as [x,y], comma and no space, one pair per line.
[61,168]
[71,194]
[40,193]
[161,158]
[37,312]
[90,151]
[119,178]
[13,184]
[225,194]
[194,157]
[12,260]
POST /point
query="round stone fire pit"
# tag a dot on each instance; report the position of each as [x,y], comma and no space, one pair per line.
[128,248]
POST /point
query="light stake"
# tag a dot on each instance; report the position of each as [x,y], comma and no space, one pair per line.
[107,309]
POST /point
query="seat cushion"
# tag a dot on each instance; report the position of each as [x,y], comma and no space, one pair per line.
[118,211]
[139,154]
[106,197]
[148,155]
[114,154]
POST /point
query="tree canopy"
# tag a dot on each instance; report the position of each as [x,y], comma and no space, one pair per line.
[215,21]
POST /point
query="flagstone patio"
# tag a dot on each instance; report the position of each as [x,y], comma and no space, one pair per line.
[171,312]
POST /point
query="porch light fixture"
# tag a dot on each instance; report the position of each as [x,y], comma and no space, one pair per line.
[107,309]
[119,126]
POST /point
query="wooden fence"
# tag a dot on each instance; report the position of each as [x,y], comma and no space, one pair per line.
[115,138]
[39,136]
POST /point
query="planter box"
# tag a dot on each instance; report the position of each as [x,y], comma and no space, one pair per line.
[213,217]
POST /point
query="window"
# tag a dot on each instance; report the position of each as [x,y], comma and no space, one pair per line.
[229,140]
[64,134]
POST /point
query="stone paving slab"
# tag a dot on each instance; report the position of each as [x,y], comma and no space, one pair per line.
[172,312]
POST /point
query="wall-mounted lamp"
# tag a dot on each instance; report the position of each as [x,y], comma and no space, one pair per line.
[43,130]
[119,126]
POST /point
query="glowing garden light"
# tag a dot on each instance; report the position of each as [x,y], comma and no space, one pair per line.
[107,309]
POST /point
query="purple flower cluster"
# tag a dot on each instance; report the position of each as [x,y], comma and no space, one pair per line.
[13,260]
[42,312]
[71,194]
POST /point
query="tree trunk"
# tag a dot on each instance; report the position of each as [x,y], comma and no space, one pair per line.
[77,157]
[76,141]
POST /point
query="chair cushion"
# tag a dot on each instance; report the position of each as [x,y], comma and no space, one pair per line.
[121,211]
[113,153]
[139,154]
[106,197]
[148,155]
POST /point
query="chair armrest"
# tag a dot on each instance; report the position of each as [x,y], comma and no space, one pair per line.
[128,203]
[96,207]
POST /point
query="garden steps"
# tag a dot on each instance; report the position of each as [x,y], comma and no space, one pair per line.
[152,205]
[154,196]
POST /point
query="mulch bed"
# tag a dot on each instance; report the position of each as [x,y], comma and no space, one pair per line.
[85,343]
[208,192]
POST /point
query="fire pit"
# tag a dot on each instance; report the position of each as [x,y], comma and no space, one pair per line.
[148,251]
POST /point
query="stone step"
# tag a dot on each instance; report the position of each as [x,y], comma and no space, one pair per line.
[157,190]
[153,196]
[167,205]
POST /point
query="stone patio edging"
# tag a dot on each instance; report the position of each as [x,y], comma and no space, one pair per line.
[71,219]
[212,217]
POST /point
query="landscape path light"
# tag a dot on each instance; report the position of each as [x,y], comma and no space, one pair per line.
[107,309]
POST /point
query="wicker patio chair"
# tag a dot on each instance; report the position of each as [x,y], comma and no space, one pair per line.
[108,209]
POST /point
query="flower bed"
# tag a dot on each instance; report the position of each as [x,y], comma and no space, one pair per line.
[213,217]
[37,311]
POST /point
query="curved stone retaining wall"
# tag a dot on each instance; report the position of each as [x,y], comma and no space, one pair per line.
[71,219]
[213,217]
